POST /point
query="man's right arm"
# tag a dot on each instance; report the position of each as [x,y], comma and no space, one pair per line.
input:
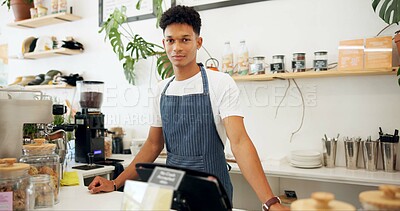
[148,153]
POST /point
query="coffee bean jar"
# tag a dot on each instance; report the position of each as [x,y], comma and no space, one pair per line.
[386,198]
[321,201]
[43,160]
[14,183]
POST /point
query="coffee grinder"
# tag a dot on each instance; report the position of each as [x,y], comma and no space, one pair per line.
[90,131]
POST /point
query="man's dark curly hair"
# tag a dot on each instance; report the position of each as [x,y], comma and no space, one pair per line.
[181,14]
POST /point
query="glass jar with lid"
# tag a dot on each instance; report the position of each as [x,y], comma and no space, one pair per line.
[299,62]
[41,192]
[43,160]
[14,183]
[321,201]
[320,60]
[258,65]
[386,198]
[278,64]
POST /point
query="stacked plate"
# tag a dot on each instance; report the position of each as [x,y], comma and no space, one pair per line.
[305,159]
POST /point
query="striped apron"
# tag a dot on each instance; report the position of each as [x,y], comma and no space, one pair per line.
[191,136]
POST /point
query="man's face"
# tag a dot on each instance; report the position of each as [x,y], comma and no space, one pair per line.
[181,43]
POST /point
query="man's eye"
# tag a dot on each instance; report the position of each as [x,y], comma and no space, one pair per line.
[185,40]
[169,40]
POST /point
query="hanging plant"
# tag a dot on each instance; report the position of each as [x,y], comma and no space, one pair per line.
[137,47]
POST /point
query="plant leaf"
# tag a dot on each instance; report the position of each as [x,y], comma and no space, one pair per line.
[388,10]
[129,69]
[116,43]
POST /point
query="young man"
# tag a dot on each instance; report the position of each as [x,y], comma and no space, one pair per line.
[198,110]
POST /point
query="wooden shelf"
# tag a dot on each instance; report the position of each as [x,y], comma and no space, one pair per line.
[313,74]
[45,20]
[51,53]
[42,87]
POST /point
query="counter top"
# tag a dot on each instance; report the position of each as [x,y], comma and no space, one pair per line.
[284,170]
[79,198]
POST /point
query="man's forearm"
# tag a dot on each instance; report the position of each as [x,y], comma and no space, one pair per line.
[250,166]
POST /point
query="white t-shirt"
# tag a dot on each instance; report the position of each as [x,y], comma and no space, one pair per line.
[224,96]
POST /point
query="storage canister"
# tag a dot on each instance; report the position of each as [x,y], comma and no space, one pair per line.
[320,201]
[43,160]
[320,60]
[258,65]
[278,64]
[41,192]
[299,62]
[386,198]
[14,183]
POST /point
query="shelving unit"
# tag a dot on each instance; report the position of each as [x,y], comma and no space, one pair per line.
[42,87]
[50,53]
[313,74]
[45,20]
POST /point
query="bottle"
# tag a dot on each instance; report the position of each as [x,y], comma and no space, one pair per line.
[243,59]
[227,59]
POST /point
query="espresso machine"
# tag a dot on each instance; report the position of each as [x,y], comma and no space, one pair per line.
[19,107]
[90,131]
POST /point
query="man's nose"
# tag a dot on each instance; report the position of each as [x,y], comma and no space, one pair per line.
[177,46]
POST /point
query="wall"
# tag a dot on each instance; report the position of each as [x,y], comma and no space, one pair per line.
[351,106]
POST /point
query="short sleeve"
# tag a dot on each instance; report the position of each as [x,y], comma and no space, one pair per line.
[230,102]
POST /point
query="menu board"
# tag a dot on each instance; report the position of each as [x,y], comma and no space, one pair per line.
[106,7]
[212,4]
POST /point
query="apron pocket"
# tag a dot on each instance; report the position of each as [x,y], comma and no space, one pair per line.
[189,162]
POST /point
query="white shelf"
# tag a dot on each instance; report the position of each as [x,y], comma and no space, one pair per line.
[42,87]
[45,20]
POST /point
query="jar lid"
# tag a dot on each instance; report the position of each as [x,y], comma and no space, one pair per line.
[258,57]
[387,197]
[9,168]
[278,56]
[321,201]
[299,54]
[39,147]
[320,52]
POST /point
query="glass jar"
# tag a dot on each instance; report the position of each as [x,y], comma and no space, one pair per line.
[258,65]
[41,192]
[386,198]
[43,160]
[14,183]
[321,201]
[299,62]
[278,64]
[320,60]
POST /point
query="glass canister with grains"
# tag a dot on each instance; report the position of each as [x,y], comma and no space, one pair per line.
[43,160]
[14,183]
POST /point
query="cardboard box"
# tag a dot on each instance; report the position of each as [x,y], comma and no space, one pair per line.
[351,55]
[378,53]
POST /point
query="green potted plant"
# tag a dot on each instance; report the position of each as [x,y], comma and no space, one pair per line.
[136,47]
[389,11]
[21,8]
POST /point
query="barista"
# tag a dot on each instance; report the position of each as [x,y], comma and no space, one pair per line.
[199,109]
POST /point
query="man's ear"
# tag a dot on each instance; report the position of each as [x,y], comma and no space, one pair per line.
[199,42]
[163,42]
